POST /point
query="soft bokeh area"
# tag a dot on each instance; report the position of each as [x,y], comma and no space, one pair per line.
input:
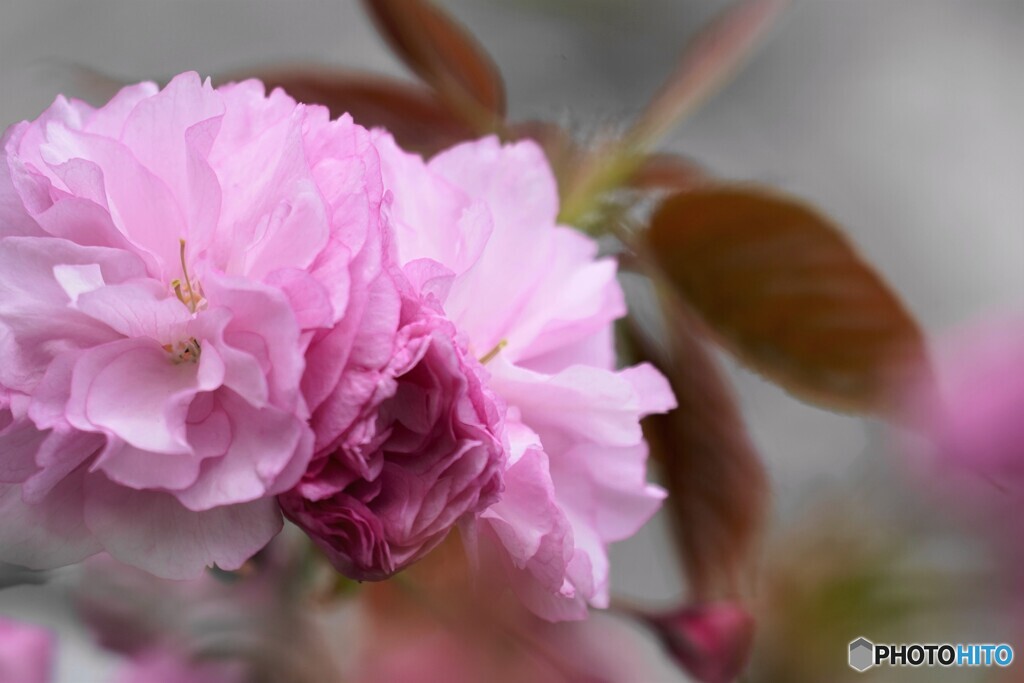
[901,121]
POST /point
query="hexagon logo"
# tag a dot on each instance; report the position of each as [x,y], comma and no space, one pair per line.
[862,654]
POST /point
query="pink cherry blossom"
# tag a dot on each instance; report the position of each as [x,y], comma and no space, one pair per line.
[26,653]
[422,453]
[537,305]
[168,666]
[966,448]
[972,413]
[166,260]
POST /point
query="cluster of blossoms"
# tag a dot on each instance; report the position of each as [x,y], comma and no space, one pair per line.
[217,304]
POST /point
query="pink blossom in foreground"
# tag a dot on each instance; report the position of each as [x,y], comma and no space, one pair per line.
[497,641]
[967,448]
[973,414]
[165,262]
[537,306]
[26,653]
[167,666]
[968,440]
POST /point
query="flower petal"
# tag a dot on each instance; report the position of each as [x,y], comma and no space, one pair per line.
[47,534]
[133,390]
[153,531]
[264,442]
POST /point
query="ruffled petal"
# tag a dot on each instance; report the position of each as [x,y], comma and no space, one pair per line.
[263,443]
[134,390]
[47,534]
[153,531]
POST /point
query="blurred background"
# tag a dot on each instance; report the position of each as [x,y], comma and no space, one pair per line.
[903,121]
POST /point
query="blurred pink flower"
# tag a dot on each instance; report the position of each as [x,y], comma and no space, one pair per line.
[26,653]
[167,666]
[967,447]
[476,229]
[165,261]
[973,414]
[502,642]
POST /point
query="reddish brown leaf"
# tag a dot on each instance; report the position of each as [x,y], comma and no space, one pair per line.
[706,63]
[715,478]
[444,55]
[786,292]
[667,172]
[412,113]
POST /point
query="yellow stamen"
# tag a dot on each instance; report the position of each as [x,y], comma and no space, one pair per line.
[184,351]
[189,293]
[191,303]
[194,298]
[176,286]
[489,356]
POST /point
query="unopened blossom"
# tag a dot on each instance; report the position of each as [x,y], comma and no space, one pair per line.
[166,260]
[536,304]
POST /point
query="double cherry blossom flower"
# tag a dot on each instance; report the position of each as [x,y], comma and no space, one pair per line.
[216,304]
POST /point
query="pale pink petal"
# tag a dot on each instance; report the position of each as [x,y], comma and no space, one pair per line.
[47,534]
[109,121]
[62,452]
[458,227]
[34,310]
[27,653]
[264,442]
[153,531]
[168,666]
[48,406]
[83,179]
[518,187]
[591,404]
[155,129]
[273,196]
[261,321]
[19,442]
[139,309]
[607,486]
[147,412]
[310,300]
[651,387]
[141,204]
[589,299]
[559,606]
[15,218]
[77,280]
[431,279]
[249,113]
[597,350]
[62,112]
[331,269]
[529,523]
[140,468]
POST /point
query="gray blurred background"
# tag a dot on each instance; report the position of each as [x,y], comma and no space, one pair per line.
[901,119]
